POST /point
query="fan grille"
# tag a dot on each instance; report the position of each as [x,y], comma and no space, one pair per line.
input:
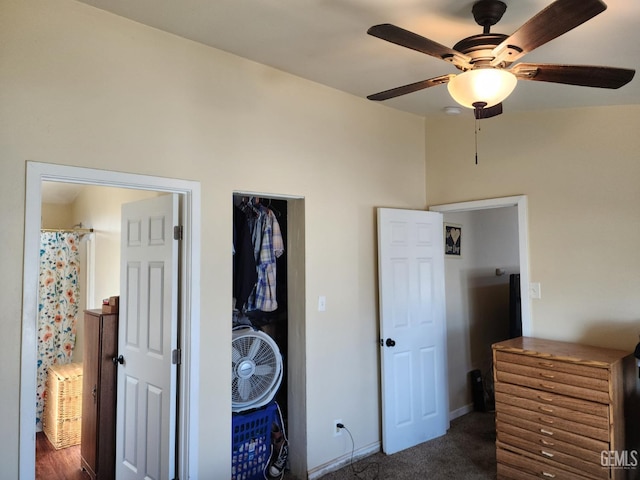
[256,369]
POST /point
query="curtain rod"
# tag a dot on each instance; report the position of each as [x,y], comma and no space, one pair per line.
[81,231]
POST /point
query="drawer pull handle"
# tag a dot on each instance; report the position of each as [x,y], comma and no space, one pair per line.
[546,420]
[546,409]
[546,364]
[547,375]
[546,454]
[544,385]
[548,444]
[545,399]
[546,432]
[547,474]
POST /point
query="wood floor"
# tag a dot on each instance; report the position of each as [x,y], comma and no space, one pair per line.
[52,464]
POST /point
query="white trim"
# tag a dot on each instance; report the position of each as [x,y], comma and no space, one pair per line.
[519,201]
[343,461]
[458,412]
[190,299]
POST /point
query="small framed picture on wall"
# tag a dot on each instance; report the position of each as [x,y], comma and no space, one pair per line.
[453,240]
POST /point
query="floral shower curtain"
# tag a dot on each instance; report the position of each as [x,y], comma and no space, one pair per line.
[57,306]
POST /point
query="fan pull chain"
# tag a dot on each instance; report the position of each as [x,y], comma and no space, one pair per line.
[478,113]
[476,138]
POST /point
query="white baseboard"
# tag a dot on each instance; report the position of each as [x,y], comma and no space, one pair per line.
[342,461]
[458,412]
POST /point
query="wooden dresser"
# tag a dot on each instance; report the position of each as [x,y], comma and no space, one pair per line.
[559,406]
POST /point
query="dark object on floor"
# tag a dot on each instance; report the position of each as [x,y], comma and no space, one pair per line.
[477,391]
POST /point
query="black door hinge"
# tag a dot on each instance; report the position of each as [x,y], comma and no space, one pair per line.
[178,232]
[176,356]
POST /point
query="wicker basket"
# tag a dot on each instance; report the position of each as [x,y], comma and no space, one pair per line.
[63,406]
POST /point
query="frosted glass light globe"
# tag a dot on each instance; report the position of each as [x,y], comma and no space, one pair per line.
[488,85]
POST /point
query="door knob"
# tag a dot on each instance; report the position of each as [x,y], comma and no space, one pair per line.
[119,359]
[390,342]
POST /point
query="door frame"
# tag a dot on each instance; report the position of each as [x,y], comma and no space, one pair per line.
[187,417]
[519,201]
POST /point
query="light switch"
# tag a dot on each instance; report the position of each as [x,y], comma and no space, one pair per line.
[322,303]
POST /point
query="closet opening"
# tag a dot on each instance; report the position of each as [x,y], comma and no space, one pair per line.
[268,371]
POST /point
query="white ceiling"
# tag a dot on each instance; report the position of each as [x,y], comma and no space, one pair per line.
[326,41]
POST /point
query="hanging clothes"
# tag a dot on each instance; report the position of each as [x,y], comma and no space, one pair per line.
[271,247]
[245,274]
[258,243]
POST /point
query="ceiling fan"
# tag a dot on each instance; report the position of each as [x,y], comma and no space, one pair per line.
[486,59]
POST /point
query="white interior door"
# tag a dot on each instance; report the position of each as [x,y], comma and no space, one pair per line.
[412,328]
[146,408]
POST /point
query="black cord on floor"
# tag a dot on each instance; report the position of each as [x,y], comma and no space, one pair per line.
[358,473]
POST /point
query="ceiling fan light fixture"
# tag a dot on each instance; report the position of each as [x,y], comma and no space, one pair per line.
[482,85]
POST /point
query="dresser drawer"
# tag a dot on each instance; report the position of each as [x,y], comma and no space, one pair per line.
[547,421]
[542,440]
[537,469]
[585,406]
[555,376]
[506,472]
[551,386]
[556,453]
[582,418]
[554,365]
[551,433]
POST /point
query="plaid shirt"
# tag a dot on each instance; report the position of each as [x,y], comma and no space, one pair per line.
[271,246]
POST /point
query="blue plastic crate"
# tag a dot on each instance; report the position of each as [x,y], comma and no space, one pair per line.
[251,442]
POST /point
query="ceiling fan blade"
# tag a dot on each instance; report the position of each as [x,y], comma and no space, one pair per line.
[582,75]
[412,87]
[555,20]
[411,40]
[481,113]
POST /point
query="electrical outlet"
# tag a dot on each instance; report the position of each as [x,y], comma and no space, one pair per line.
[337,431]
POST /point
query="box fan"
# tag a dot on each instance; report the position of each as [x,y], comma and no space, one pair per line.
[256,369]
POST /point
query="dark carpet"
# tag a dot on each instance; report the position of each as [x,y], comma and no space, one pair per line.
[466,452]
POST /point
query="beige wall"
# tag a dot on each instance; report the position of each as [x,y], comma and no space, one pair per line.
[82,87]
[55,215]
[580,171]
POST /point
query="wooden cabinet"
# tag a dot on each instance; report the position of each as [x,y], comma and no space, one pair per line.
[560,410]
[99,394]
